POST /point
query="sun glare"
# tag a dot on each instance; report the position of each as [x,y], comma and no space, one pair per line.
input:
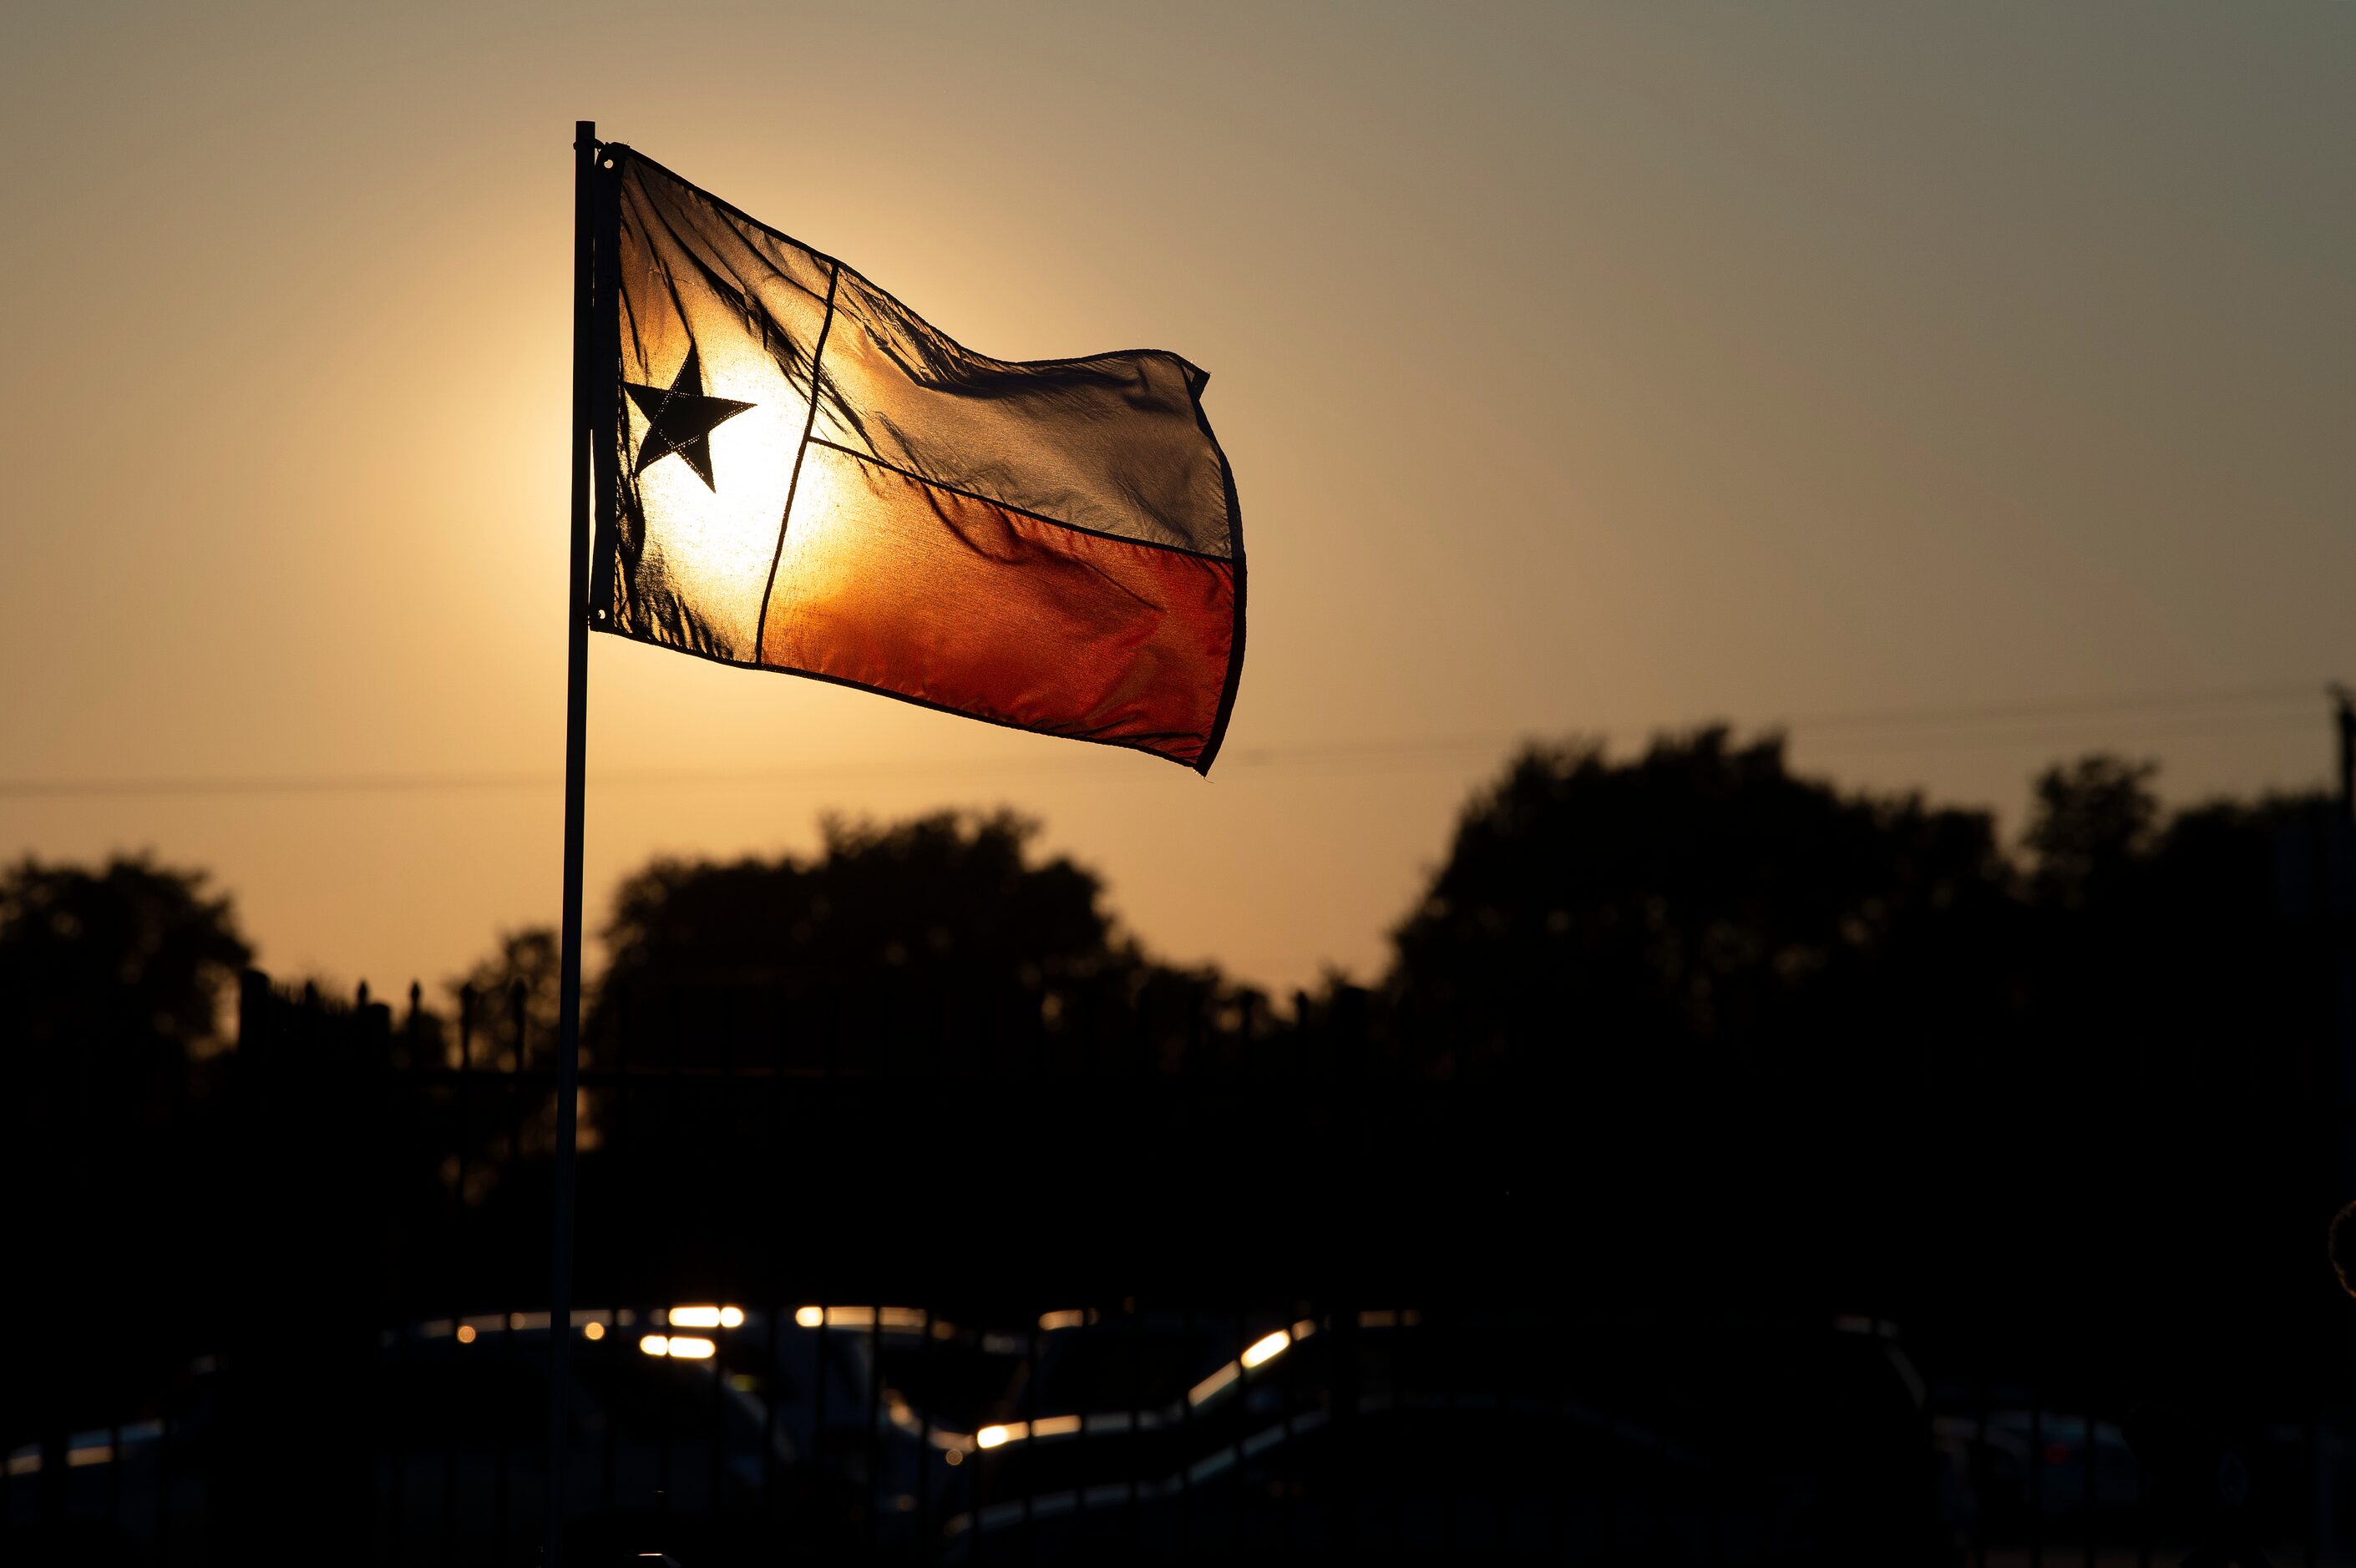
[823,542]
[713,544]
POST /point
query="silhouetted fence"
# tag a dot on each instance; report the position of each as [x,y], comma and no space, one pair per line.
[933,1283]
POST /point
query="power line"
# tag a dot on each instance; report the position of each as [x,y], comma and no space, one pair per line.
[2272,693]
[2048,735]
[2278,705]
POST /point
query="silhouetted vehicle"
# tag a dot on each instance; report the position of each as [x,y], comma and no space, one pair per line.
[2021,1468]
[1163,1436]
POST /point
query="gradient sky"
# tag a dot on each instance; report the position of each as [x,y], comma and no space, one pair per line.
[1586,369]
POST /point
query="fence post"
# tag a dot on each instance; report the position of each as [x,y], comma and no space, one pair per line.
[300,1337]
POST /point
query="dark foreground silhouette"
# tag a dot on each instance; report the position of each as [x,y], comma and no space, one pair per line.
[1729,1168]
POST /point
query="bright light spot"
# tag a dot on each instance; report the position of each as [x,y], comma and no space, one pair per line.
[593,1331]
[991,1436]
[465,1333]
[1070,1317]
[1265,1351]
[954,1457]
[655,1345]
[1054,1425]
[691,1347]
[1203,1391]
[731,1317]
[711,545]
[904,1318]
[695,1318]
[827,543]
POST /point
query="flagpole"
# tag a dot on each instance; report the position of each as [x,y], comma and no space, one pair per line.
[576,738]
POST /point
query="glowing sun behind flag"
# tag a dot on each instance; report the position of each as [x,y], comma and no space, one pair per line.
[804,477]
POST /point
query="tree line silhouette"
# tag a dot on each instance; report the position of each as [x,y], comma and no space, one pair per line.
[1711,1036]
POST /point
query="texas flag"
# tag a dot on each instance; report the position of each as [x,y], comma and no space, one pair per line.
[807,477]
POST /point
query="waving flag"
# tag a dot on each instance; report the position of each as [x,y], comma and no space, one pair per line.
[807,477]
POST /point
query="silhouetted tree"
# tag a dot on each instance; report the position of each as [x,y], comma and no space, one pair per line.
[2095,822]
[133,959]
[1932,1069]
[2162,957]
[941,928]
[111,979]
[1696,904]
[940,895]
[2174,1077]
[815,1041]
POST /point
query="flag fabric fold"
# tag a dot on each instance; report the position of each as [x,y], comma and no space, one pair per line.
[806,476]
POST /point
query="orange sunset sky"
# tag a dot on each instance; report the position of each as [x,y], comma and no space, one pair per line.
[1583,368]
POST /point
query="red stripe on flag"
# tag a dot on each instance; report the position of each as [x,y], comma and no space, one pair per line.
[890,583]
